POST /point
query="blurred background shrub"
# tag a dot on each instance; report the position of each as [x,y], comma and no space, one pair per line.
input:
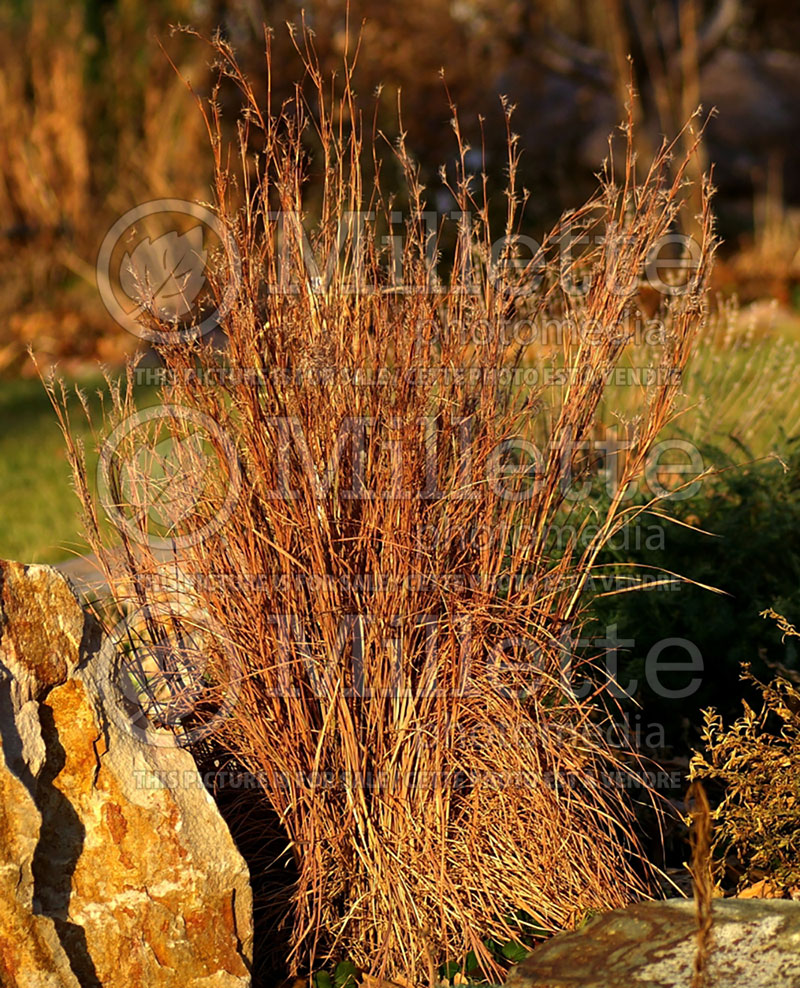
[96,119]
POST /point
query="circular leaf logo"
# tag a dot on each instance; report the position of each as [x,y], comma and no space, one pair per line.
[152,270]
[168,477]
[172,680]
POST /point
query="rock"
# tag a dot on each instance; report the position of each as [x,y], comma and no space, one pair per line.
[108,876]
[756,944]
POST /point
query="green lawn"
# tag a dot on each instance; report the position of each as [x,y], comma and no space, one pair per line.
[39,512]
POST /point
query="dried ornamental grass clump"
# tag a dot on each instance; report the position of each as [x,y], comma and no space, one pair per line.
[378,602]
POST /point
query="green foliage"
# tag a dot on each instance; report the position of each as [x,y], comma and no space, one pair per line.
[514,952]
[506,953]
[449,970]
[753,555]
[345,975]
[755,761]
